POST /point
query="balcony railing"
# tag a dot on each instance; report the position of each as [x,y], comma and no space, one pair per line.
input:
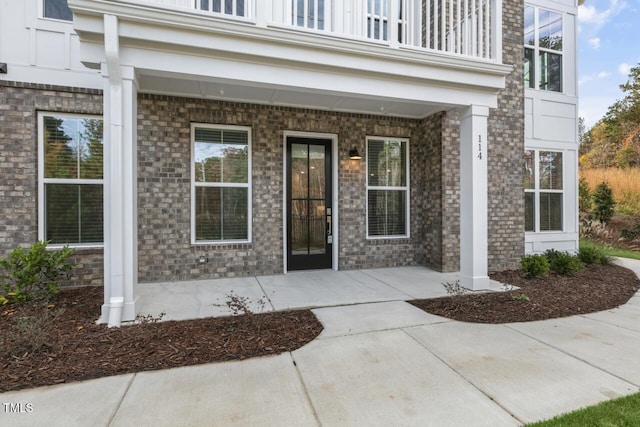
[468,28]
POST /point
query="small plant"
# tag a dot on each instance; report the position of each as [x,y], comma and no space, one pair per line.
[534,266]
[454,288]
[34,274]
[149,318]
[240,305]
[603,202]
[521,297]
[29,334]
[592,255]
[563,263]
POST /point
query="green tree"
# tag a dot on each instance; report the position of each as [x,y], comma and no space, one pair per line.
[603,203]
[615,140]
[585,200]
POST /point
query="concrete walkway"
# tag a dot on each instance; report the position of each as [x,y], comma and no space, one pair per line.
[375,364]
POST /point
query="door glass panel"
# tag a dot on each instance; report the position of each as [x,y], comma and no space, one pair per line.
[316,172]
[299,227]
[299,171]
[317,227]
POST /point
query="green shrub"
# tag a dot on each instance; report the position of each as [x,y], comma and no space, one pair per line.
[34,274]
[592,255]
[603,202]
[563,262]
[534,266]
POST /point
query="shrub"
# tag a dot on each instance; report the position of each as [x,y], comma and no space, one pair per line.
[563,262]
[534,266]
[585,200]
[633,232]
[592,255]
[603,202]
[34,274]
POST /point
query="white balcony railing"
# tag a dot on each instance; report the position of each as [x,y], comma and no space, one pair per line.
[458,27]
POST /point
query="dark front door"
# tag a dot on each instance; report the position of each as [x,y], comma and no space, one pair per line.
[309,221]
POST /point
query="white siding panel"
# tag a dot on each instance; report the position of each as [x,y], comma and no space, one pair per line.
[50,51]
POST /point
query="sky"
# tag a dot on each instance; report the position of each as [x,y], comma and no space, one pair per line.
[608,46]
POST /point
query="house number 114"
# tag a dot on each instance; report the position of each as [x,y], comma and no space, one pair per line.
[480,147]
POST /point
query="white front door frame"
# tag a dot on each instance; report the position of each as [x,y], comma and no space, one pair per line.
[334,193]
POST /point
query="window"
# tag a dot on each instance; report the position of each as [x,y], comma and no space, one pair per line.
[308,13]
[57,9]
[542,49]
[228,7]
[387,187]
[543,190]
[70,179]
[221,196]
[378,20]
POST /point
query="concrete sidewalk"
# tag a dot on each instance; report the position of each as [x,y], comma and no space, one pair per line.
[375,364]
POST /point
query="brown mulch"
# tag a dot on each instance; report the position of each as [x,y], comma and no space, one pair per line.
[43,345]
[61,343]
[595,288]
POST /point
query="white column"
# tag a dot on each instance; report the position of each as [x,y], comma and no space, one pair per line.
[120,180]
[473,198]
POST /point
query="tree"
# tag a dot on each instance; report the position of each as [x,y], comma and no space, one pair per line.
[603,203]
[585,200]
[615,140]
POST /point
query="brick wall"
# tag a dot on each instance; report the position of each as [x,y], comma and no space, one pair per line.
[19,106]
[165,251]
[506,148]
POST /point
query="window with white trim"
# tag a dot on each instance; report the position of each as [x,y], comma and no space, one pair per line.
[221,183]
[56,9]
[387,187]
[70,172]
[227,7]
[543,42]
[543,190]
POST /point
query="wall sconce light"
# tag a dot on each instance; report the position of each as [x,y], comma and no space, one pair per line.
[354,155]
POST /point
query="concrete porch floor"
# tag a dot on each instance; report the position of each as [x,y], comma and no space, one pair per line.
[304,289]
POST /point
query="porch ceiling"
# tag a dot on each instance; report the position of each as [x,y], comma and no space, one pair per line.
[157,82]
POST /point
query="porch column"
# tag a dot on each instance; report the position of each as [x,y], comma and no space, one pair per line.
[120,180]
[473,198]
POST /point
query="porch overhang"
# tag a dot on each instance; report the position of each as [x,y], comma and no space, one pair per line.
[181,53]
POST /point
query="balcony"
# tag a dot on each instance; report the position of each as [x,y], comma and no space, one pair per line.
[464,28]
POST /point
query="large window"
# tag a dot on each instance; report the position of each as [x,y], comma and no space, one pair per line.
[387,187]
[70,179]
[543,49]
[221,196]
[543,190]
[56,9]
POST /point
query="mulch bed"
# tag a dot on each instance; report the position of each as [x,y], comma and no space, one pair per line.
[595,288]
[44,345]
[61,343]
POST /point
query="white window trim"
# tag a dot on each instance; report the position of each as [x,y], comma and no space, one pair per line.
[537,49]
[42,180]
[248,185]
[406,188]
[536,190]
